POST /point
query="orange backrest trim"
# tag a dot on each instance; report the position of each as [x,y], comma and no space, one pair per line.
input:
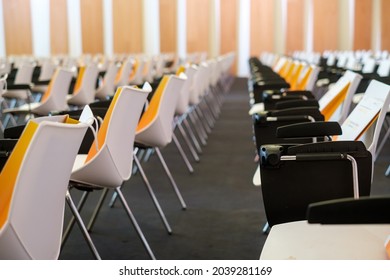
[79,80]
[335,103]
[152,110]
[119,74]
[48,90]
[295,75]
[10,172]
[102,133]
[135,69]
[180,70]
[368,125]
[388,248]
[301,85]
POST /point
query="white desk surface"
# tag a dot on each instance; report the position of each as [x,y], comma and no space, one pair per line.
[303,241]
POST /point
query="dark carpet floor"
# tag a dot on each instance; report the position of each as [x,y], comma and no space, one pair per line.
[224,216]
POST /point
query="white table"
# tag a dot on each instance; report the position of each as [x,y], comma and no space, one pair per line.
[303,241]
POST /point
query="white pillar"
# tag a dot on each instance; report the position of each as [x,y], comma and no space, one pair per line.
[40,27]
[151,27]
[376,25]
[346,23]
[308,26]
[243,37]
[181,28]
[108,35]
[215,28]
[2,35]
[280,26]
[74,28]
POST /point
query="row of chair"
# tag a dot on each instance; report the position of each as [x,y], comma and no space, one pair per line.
[293,176]
[32,228]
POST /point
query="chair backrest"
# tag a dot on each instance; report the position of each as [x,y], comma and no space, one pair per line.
[372,107]
[184,98]
[149,70]
[195,90]
[33,182]
[309,78]
[340,94]
[47,70]
[24,74]
[108,87]
[384,68]
[203,79]
[3,84]
[369,66]
[122,77]
[155,126]
[111,164]
[84,90]
[136,76]
[54,99]
[289,185]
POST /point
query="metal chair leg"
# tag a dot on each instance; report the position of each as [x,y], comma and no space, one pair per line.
[83,229]
[152,195]
[135,223]
[97,209]
[72,221]
[266,228]
[183,155]
[173,183]
[192,135]
[188,142]
[150,191]
[198,127]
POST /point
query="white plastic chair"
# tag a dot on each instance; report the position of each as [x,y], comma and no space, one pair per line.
[109,161]
[155,127]
[54,99]
[122,77]
[107,89]
[33,185]
[84,90]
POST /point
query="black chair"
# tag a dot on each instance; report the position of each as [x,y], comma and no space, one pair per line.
[365,210]
[293,176]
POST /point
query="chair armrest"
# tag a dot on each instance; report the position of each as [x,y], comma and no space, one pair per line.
[39,83]
[19,87]
[365,210]
[284,103]
[309,130]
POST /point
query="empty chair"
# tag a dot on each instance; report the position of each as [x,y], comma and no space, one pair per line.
[20,88]
[137,75]
[109,160]
[107,89]
[54,99]
[33,186]
[154,130]
[122,77]
[84,89]
[181,113]
[47,71]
